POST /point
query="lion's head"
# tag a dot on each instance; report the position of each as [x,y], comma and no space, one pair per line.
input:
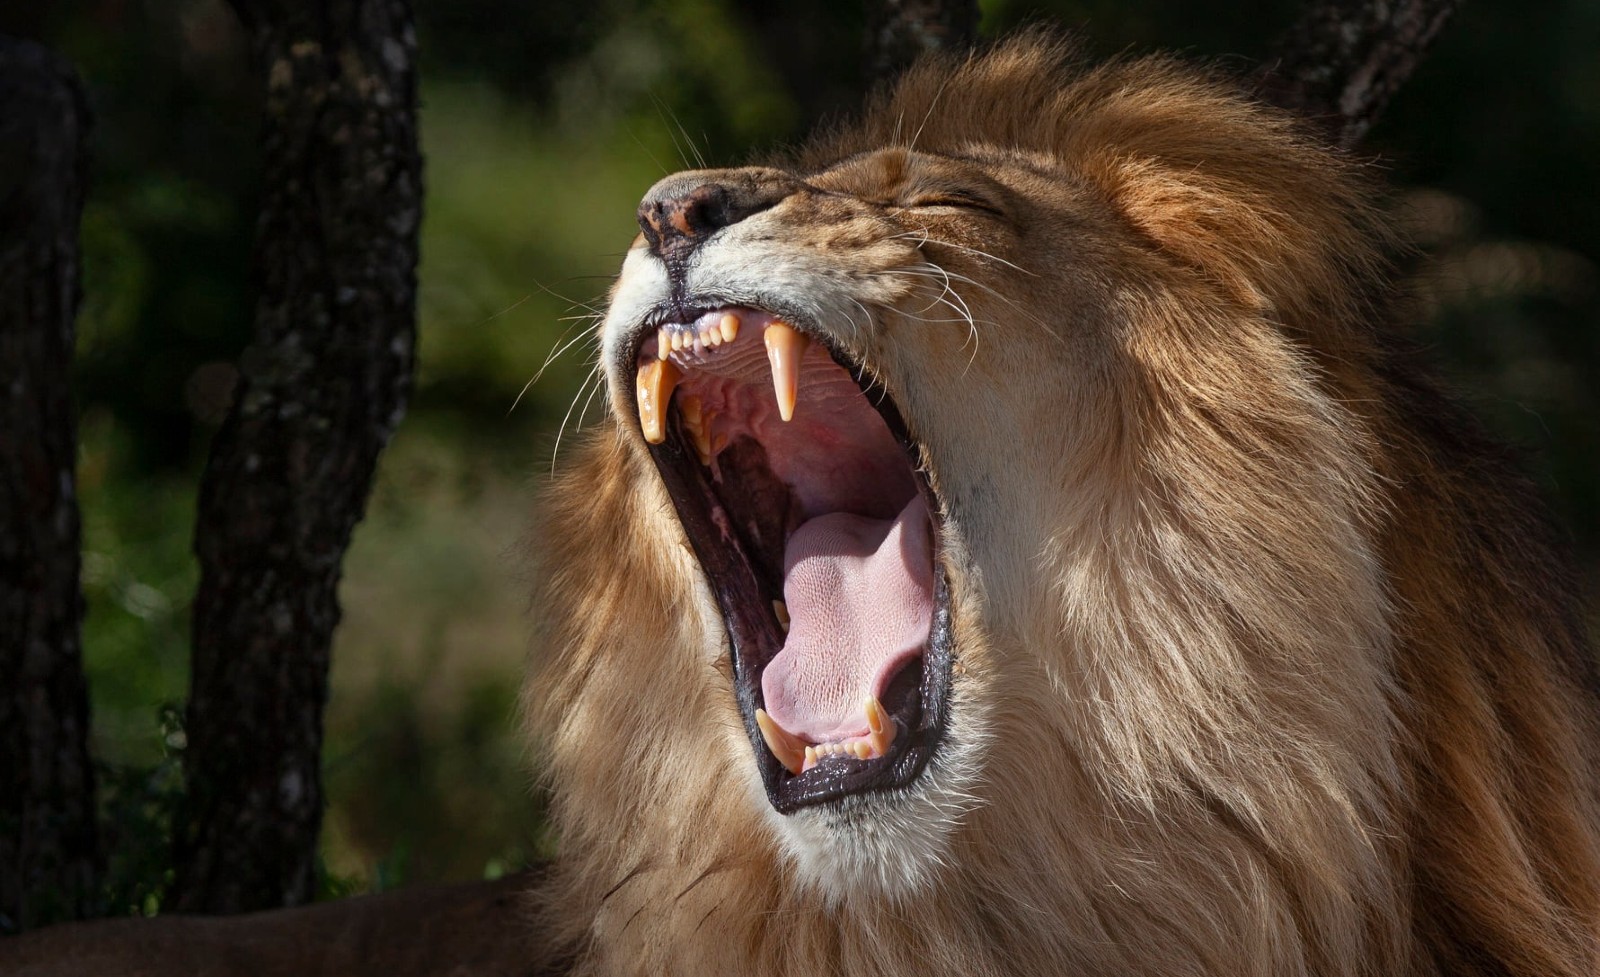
[1016,547]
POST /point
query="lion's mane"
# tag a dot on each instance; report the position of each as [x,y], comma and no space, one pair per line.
[1295,684]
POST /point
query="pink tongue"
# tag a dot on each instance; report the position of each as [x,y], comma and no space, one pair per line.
[860,596]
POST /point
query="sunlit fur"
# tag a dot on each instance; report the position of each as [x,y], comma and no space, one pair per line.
[1265,665]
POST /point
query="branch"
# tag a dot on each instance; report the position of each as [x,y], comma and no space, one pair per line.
[49,865]
[1345,59]
[900,31]
[322,387]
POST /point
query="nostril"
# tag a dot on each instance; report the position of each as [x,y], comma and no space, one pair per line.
[707,208]
[681,212]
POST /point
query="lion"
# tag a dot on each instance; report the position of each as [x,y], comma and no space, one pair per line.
[1019,544]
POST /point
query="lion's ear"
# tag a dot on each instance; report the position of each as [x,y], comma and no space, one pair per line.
[1247,199]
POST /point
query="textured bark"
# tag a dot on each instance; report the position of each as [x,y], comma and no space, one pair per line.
[899,31]
[48,860]
[322,388]
[1345,59]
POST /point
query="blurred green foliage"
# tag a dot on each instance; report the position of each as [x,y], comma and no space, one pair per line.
[542,125]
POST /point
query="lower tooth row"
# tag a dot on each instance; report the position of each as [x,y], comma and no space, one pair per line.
[798,757]
[859,749]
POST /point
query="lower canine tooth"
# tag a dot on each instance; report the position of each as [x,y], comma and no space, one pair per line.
[697,424]
[780,610]
[789,750]
[785,346]
[655,383]
[880,728]
[702,439]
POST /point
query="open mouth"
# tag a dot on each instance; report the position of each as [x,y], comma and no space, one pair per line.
[800,492]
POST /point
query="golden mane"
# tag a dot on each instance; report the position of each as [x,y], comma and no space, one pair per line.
[1278,673]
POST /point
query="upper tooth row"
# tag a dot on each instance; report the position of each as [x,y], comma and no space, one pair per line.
[657,378]
[724,330]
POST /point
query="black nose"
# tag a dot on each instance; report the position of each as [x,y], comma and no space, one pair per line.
[681,212]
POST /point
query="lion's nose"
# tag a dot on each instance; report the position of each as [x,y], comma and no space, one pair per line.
[681,212]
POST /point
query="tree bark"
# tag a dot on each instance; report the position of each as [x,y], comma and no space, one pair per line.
[1344,60]
[322,388]
[900,31]
[49,865]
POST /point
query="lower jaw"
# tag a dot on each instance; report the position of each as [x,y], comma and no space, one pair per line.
[872,849]
[917,699]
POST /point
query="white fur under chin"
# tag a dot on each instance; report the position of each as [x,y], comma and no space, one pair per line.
[883,844]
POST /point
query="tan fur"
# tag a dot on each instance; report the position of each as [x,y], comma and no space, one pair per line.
[1265,666]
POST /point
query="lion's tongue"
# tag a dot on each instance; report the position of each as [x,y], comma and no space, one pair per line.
[860,599]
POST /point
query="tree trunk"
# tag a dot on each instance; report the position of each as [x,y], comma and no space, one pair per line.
[900,31]
[1344,60]
[49,866]
[322,388]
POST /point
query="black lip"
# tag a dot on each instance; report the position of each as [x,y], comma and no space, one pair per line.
[920,710]
[674,311]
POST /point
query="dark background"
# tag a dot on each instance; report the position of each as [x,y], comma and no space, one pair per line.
[542,125]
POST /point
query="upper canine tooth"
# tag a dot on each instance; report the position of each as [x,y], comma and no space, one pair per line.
[788,748]
[728,326]
[780,610]
[655,383]
[785,346]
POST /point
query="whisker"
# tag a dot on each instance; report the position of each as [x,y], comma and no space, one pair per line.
[562,345]
[931,106]
[661,113]
[583,412]
[555,452]
[575,303]
[514,306]
[1024,313]
[949,298]
[699,159]
[561,351]
[652,156]
[925,238]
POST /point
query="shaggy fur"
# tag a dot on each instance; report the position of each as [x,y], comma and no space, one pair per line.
[1265,663]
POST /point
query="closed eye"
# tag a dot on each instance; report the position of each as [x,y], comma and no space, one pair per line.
[953,198]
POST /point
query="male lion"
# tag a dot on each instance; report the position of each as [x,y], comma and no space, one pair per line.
[1018,548]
